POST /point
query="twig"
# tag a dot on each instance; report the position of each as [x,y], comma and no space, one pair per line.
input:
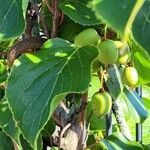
[41,18]
[26,45]
[62,132]
[28,30]
[92,145]
[61,19]
[55,13]
[60,114]
[105,33]
[48,5]
[3,54]
[82,116]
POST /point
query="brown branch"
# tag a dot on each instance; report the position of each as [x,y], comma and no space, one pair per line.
[82,119]
[67,119]
[3,54]
[24,46]
[41,18]
[28,30]
[48,5]
[56,14]
[61,18]
[60,114]
[62,133]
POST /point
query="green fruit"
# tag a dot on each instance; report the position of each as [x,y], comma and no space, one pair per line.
[87,37]
[101,103]
[96,65]
[124,52]
[108,52]
[130,76]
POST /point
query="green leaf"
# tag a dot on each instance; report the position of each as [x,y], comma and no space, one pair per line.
[67,26]
[2,93]
[26,146]
[5,142]
[39,81]
[3,72]
[79,12]
[49,128]
[141,62]
[96,122]
[114,82]
[7,123]
[137,103]
[117,141]
[127,108]
[146,96]
[141,26]
[12,22]
[95,85]
[6,44]
[145,129]
[123,13]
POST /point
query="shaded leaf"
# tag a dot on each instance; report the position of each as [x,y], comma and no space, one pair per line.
[79,12]
[120,11]
[26,146]
[141,26]
[114,82]
[5,142]
[12,21]
[38,82]
[3,72]
[7,123]
[141,62]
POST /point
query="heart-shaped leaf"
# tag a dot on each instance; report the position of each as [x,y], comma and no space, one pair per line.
[39,81]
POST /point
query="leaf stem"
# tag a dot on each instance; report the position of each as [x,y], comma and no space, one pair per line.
[131,19]
[48,5]
[105,33]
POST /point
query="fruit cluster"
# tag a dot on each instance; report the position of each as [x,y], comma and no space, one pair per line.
[110,52]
